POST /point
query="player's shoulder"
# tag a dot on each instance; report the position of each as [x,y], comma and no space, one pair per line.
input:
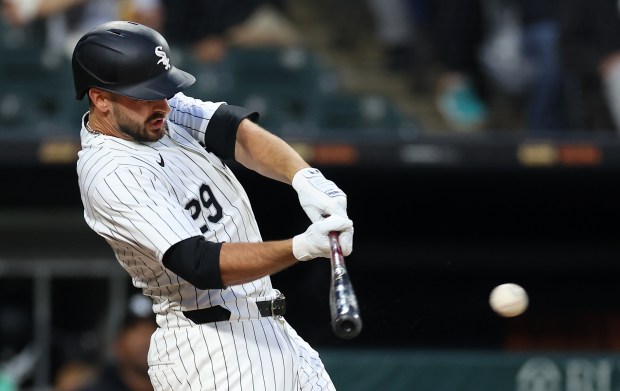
[182,105]
[105,156]
[105,150]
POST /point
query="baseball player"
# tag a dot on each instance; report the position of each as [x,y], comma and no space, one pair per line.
[154,184]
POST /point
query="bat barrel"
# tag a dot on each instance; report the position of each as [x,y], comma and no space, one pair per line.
[346,320]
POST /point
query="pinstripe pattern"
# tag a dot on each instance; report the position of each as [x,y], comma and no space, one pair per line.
[263,354]
[141,208]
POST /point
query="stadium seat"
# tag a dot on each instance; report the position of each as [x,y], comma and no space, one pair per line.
[23,38]
[282,83]
[296,94]
[286,70]
[35,96]
[357,116]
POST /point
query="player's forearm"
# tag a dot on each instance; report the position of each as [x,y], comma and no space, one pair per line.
[216,265]
[267,154]
[212,265]
[245,262]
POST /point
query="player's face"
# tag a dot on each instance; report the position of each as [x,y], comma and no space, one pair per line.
[140,119]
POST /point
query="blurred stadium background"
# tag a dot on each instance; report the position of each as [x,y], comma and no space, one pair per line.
[441,215]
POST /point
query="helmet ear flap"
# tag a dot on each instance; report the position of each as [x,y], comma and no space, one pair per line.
[128,59]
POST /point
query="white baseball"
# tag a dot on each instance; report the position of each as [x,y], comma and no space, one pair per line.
[508,300]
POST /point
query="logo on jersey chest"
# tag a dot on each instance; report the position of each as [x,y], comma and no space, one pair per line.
[159,52]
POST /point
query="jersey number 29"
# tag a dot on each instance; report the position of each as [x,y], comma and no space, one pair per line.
[209,203]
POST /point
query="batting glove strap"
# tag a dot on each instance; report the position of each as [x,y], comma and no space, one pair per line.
[314,243]
[319,196]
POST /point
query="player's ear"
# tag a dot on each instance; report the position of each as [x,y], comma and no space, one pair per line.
[99,98]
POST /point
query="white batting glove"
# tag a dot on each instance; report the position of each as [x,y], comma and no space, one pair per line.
[318,196]
[314,243]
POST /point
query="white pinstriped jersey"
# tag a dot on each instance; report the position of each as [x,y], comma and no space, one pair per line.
[145,197]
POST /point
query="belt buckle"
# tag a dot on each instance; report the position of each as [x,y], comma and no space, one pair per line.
[280,296]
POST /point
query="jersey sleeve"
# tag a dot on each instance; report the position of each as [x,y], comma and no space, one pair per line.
[213,124]
[192,114]
[133,206]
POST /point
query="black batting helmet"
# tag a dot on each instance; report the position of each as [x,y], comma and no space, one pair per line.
[128,59]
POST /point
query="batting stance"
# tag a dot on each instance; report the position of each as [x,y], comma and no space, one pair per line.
[154,184]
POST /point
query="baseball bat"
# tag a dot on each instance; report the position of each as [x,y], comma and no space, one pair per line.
[345,314]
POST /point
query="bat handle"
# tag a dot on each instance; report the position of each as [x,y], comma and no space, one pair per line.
[335,246]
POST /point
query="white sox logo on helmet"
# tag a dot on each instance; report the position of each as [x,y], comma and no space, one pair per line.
[159,52]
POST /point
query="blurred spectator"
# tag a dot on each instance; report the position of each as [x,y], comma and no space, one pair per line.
[488,47]
[590,52]
[74,375]
[396,27]
[225,22]
[19,367]
[22,12]
[15,330]
[268,25]
[127,369]
[67,20]
[500,45]
[525,40]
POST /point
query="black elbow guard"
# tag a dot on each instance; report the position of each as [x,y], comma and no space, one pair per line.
[221,132]
[197,261]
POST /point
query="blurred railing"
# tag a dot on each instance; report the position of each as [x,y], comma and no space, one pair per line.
[35,364]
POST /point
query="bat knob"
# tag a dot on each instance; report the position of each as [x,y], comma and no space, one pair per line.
[348,328]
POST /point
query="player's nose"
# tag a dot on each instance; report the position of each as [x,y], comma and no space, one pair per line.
[161,105]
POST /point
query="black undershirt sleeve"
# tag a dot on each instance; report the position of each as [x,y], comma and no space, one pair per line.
[197,261]
[221,132]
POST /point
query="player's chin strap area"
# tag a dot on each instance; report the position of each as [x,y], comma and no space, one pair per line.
[275,307]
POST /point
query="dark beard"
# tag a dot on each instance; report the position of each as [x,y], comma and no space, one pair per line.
[141,134]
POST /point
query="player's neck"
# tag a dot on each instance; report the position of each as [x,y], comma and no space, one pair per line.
[97,125]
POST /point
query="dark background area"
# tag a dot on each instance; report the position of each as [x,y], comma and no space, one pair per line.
[430,244]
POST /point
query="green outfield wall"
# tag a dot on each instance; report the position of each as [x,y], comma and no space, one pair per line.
[383,370]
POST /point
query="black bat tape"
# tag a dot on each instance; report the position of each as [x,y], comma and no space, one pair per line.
[346,320]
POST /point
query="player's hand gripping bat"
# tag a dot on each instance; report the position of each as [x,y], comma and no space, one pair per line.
[346,321]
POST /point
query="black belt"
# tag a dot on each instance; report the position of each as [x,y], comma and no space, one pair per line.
[217,313]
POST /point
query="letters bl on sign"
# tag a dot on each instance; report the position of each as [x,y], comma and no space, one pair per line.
[568,374]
